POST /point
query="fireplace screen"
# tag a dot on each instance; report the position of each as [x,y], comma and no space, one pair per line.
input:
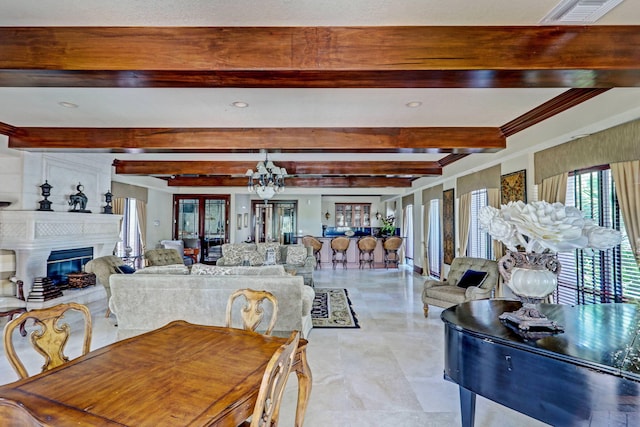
[63,262]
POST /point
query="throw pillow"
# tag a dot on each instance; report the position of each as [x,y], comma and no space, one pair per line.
[472,278]
[262,250]
[210,270]
[125,269]
[296,254]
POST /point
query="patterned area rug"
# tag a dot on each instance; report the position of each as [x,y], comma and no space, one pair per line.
[332,309]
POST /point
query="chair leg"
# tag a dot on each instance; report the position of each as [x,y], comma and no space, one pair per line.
[426,310]
[108,313]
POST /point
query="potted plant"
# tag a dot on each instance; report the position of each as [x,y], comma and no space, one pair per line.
[388,228]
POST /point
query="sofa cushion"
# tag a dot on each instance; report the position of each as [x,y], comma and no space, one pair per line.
[263,247]
[164,269]
[472,278]
[235,253]
[217,270]
[296,254]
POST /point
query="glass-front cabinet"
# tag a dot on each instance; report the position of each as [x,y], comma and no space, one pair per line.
[353,214]
[204,219]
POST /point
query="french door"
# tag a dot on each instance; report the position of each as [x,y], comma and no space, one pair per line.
[205,218]
[274,221]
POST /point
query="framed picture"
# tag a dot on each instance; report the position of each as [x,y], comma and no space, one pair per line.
[246,220]
[513,187]
[448,226]
[239,221]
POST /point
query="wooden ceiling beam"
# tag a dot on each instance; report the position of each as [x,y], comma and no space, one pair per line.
[417,56]
[168,167]
[423,139]
[303,182]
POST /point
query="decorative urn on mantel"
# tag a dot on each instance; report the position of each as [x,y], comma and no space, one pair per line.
[541,230]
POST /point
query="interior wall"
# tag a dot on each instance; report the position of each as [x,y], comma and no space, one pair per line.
[159,217]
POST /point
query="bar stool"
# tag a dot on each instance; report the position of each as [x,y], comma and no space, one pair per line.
[339,246]
[391,246]
[366,245]
[310,241]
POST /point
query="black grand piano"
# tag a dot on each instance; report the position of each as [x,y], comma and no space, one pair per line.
[590,370]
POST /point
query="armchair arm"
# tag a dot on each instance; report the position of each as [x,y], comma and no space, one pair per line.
[433,283]
[221,261]
[475,292]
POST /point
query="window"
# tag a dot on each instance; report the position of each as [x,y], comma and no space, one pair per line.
[604,276]
[130,245]
[479,241]
[435,239]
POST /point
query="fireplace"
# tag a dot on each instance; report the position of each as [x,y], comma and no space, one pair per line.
[65,261]
[34,235]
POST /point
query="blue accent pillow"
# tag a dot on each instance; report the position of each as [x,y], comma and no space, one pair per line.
[472,278]
[125,269]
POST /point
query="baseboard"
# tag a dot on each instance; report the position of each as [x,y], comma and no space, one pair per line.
[417,269]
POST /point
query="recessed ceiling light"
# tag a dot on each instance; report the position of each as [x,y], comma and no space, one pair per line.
[66,104]
[240,104]
[413,104]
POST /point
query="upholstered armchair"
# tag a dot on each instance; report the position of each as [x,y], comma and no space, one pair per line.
[465,282]
[103,267]
[163,257]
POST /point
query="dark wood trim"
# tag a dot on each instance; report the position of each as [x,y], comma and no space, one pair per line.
[591,78]
[417,269]
[6,129]
[427,139]
[328,182]
[445,161]
[417,56]
[557,105]
[176,167]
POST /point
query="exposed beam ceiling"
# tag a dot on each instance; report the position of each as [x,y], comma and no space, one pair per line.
[589,59]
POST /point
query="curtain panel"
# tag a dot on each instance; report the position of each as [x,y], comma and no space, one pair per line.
[464,222]
[127,191]
[554,188]
[626,176]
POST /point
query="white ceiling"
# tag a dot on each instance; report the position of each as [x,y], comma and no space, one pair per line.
[119,107]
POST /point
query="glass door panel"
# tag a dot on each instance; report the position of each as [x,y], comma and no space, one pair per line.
[214,227]
[202,217]
[188,221]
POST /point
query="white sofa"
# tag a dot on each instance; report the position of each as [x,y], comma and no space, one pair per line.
[143,302]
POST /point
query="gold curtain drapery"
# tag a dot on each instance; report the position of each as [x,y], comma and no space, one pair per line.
[141,211]
[493,194]
[554,188]
[464,222]
[626,176]
[425,237]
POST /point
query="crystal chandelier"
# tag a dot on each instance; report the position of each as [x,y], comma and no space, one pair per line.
[267,180]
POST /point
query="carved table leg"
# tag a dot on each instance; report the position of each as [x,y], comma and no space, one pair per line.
[303,372]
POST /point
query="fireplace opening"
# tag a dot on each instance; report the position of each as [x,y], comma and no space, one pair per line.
[63,262]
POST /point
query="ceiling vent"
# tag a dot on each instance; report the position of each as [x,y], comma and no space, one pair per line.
[579,11]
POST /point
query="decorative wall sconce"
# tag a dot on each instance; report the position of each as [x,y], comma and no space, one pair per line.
[327,215]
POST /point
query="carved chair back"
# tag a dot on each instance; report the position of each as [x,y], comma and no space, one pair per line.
[51,337]
[267,408]
[252,312]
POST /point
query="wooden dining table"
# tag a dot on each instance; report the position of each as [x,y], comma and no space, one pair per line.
[179,375]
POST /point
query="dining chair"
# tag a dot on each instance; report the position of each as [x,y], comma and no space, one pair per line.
[252,312]
[267,408]
[14,414]
[50,339]
[10,306]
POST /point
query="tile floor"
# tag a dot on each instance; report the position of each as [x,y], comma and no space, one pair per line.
[387,373]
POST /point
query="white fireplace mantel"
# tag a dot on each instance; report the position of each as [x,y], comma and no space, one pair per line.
[32,235]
